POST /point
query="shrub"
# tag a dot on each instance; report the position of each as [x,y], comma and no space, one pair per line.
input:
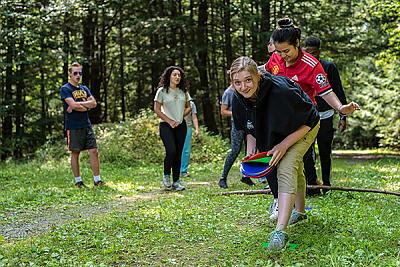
[137,140]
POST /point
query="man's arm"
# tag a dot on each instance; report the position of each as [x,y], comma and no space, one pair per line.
[225,111]
[195,123]
[336,83]
[80,106]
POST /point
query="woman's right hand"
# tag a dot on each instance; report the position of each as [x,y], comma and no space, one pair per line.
[173,123]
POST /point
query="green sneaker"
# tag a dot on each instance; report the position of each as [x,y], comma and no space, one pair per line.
[278,240]
[296,217]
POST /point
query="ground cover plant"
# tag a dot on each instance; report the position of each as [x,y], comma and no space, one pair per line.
[45,221]
[133,222]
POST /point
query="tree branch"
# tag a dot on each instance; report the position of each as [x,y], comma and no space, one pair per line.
[338,188]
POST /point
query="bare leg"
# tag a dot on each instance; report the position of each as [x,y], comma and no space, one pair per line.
[285,206]
[75,163]
[94,161]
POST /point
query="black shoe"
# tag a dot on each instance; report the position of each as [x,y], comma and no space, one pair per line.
[80,185]
[99,183]
[247,181]
[222,183]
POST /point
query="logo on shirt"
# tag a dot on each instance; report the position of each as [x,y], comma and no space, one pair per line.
[295,78]
[275,69]
[249,125]
[321,80]
[79,95]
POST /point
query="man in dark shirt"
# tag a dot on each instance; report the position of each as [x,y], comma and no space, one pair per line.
[77,100]
[312,45]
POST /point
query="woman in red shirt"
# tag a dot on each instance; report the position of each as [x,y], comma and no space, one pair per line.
[291,61]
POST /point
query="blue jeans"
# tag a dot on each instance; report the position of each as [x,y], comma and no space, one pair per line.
[186,151]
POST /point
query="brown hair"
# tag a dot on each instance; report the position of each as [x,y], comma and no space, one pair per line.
[243,63]
[74,64]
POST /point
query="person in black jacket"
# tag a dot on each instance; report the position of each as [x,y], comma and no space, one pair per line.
[312,45]
[285,123]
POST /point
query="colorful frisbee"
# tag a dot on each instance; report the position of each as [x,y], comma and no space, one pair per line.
[256,166]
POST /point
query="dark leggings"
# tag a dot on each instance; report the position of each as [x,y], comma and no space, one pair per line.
[236,144]
[173,139]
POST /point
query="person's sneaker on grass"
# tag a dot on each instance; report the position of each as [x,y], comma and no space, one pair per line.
[296,217]
[80,184]
[262,180]
[166,181]
[99,183]
[277,240]
[184,174]
[273,210]
[178,186]
[247,180]
[222,183]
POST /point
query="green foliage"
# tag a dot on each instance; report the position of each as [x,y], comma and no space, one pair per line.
[137,140]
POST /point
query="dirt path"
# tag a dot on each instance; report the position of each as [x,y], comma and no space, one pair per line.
[25,223]
[363,156]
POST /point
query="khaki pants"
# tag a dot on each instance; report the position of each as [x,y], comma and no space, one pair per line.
[291,177]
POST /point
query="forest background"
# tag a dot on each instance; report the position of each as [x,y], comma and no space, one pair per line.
[125,45]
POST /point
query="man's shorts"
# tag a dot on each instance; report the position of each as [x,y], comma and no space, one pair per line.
[81,139]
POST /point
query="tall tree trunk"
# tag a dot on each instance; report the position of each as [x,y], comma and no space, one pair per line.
[242,2]
[7,124]
[181,36]
[121,68]
[103,64]
[265,28]
[66,48]
[201,64]
[20,105]
[255,44]
[91,64]
[156,67]
[227,33]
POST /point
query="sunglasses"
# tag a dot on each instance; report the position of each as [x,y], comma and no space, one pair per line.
[75,73]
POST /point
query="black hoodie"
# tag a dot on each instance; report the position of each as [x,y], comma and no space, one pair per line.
[281,108]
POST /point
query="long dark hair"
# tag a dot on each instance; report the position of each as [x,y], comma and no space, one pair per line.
[166,78]
[286,31]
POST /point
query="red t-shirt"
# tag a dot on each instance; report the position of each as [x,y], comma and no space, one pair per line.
[307,72]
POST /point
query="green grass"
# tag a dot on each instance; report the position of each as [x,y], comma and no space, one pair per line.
[133,222]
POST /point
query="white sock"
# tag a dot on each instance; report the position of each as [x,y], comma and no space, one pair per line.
[97,178]
[78,179]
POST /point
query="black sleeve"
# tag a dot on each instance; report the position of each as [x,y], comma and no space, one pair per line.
[336,83]
[238,114]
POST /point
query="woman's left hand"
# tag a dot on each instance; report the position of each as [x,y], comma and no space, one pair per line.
[277,153]
[349,108]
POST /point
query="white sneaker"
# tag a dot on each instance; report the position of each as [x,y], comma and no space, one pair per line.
[166,181]
[273,210]
[178,186]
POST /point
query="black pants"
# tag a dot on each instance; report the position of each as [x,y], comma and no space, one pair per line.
[324,140]
[173,139]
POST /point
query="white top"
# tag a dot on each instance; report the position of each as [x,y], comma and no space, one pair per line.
[172,103]
[326,114]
